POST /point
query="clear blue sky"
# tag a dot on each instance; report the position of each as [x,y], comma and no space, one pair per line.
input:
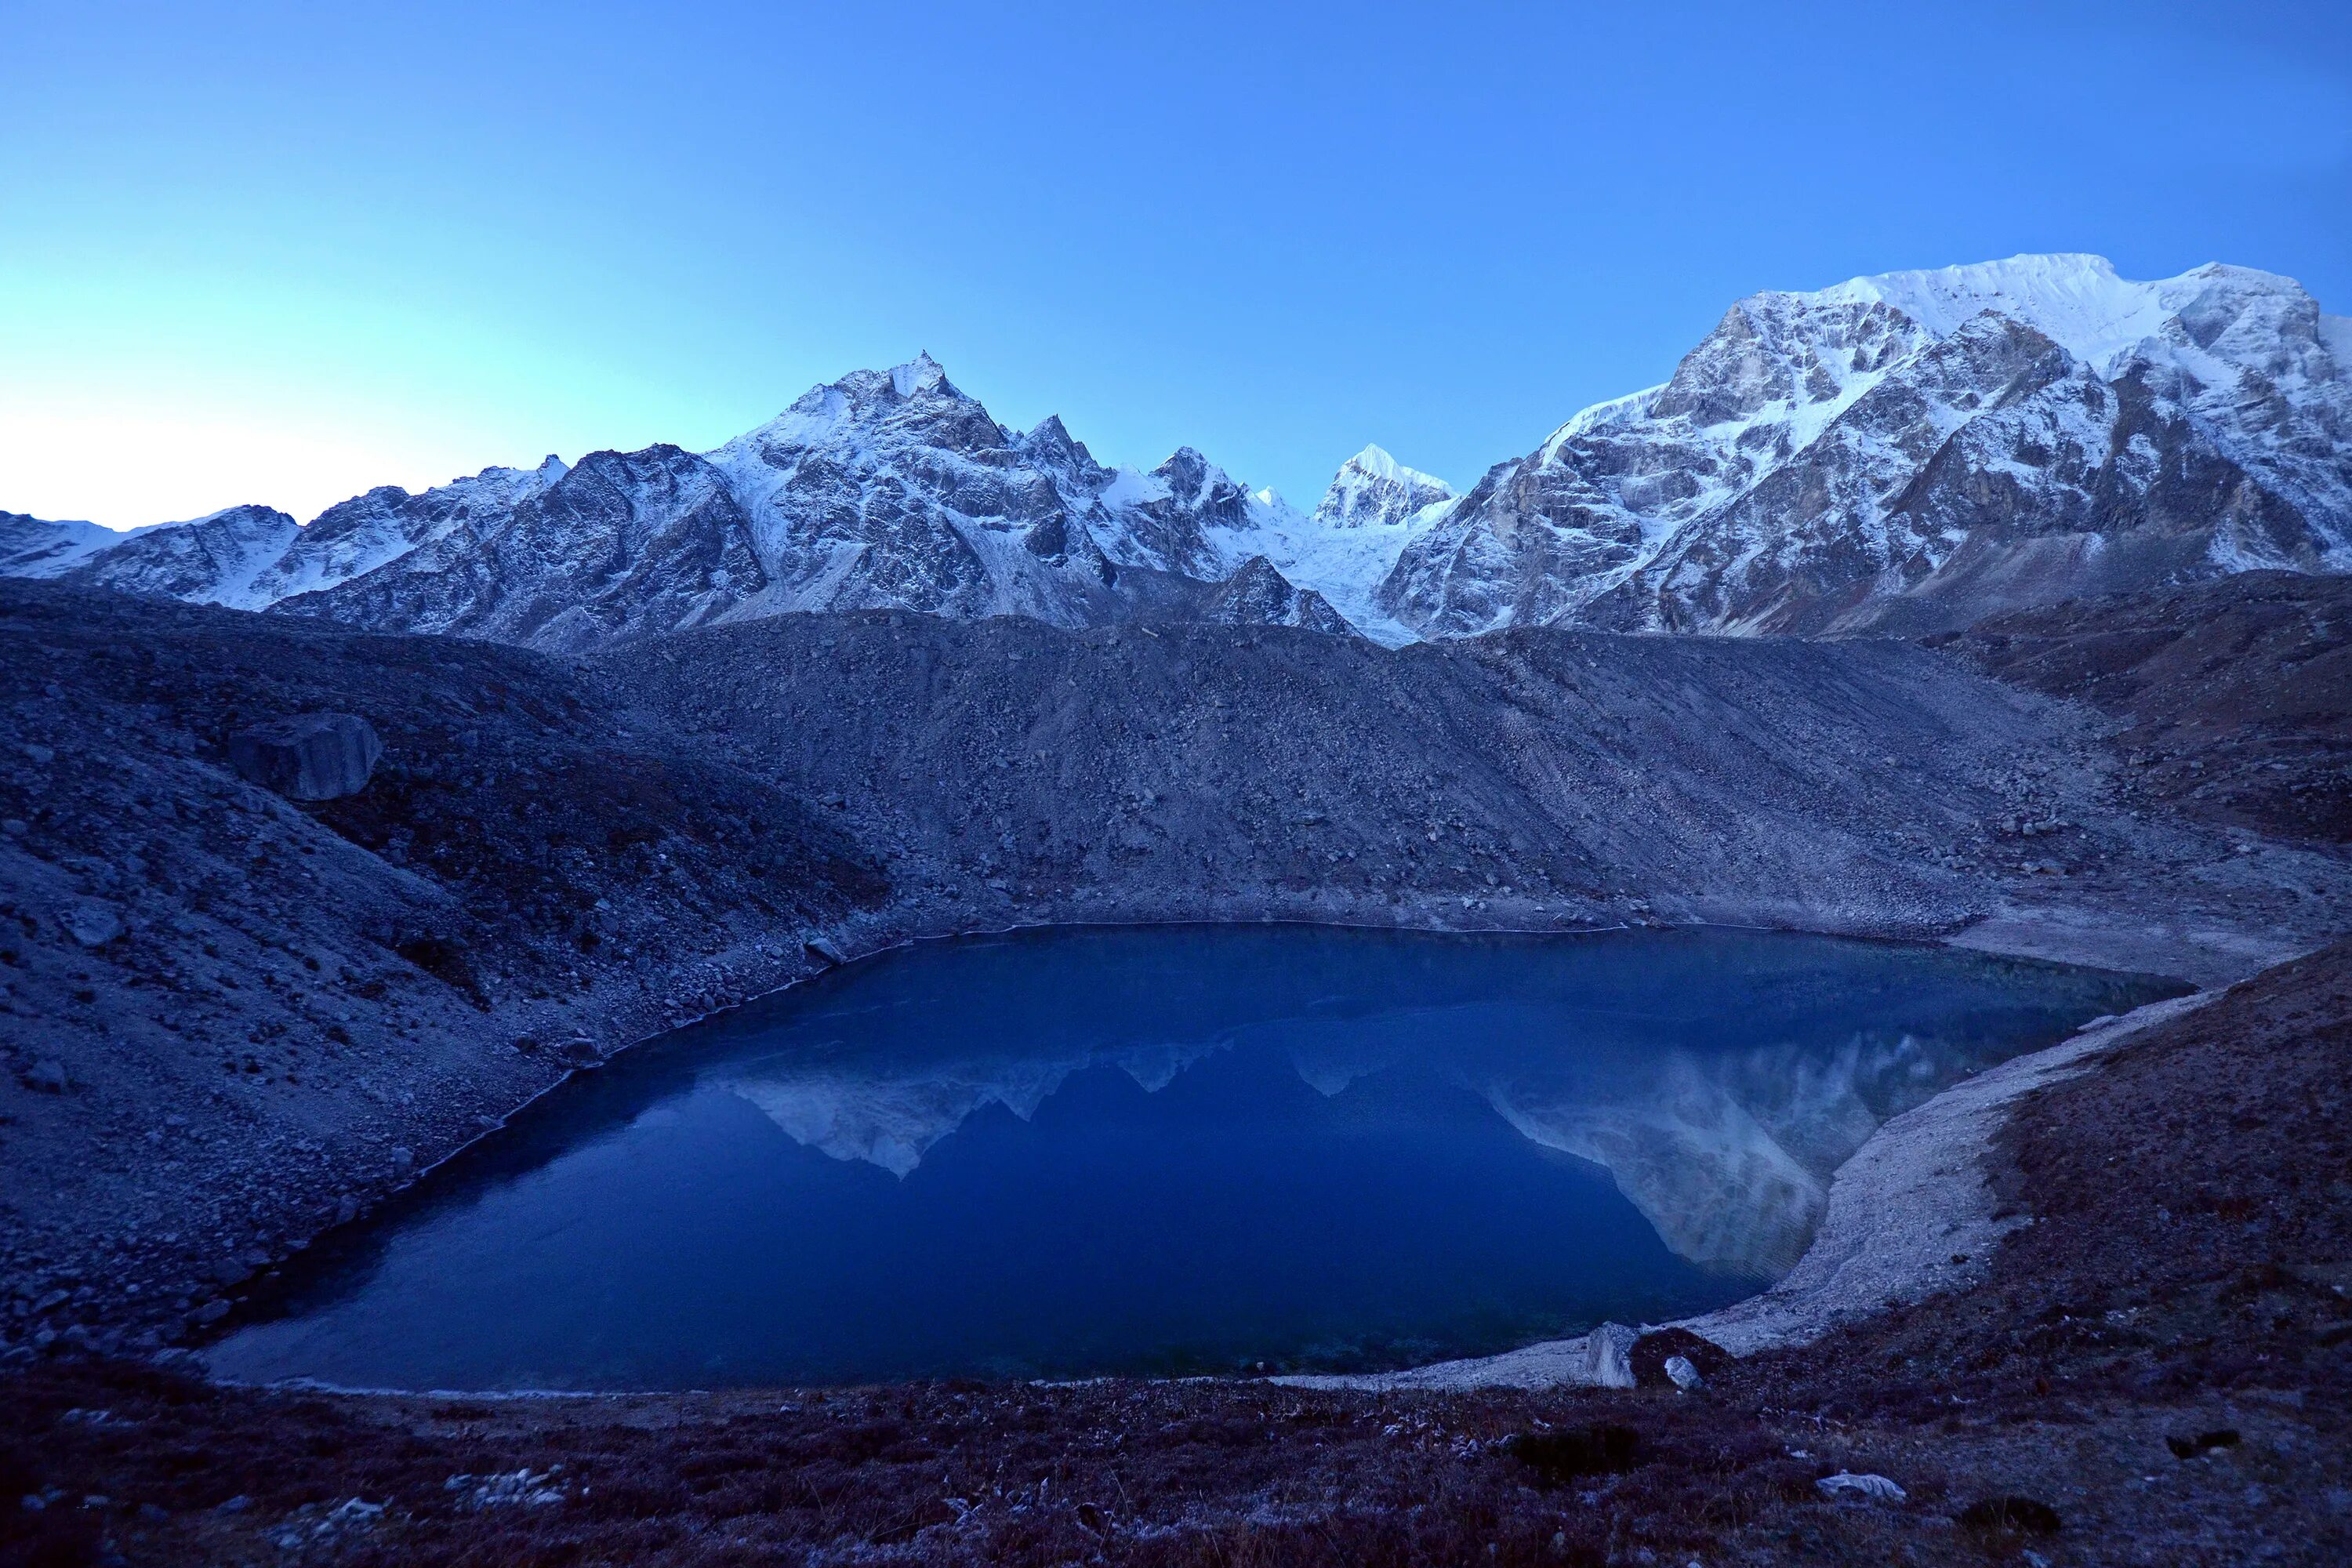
[282,251]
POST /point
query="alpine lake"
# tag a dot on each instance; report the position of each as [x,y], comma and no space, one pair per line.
[1174,1151]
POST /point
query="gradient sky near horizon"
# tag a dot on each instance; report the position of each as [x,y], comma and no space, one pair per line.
[281,252]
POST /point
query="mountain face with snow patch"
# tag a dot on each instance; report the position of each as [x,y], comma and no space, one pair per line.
[353,538]
[211,560]
[38,547]
[886,490]
[1258,595]
[1907,453]
[1347,547]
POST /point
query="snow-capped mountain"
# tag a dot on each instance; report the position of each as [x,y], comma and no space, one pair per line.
[1909,452]
[1347,547]
[1373,489]
[1900,454]
[886,490]
[353,538]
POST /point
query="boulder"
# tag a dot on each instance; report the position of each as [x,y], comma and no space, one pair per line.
[1608,1362]
[1847,1483]
[311,757]
[92,922]
[580,1051]
[1649,1354]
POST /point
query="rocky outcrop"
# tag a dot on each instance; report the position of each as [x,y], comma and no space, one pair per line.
[1258,595]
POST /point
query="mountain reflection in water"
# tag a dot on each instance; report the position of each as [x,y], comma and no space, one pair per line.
[1168,1148]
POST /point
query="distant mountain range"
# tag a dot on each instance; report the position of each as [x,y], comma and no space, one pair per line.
[1901,453]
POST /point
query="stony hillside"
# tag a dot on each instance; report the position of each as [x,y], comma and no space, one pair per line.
[2236,694]
[226,1016]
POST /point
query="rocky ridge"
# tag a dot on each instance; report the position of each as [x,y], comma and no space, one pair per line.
[886,490]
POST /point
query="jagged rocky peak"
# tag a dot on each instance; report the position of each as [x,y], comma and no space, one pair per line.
[1373,489]
[1258,594]
[1194,483]
[1052,444]
[1910,451]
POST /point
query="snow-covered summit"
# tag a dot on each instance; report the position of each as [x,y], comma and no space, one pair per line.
[918,374]
[2077,301]
[43,547]
[1373,489]
[882,489]
[210,560]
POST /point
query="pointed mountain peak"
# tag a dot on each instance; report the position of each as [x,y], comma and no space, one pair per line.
[1050,441]
[1373,487]
[1258,594]
[920,374]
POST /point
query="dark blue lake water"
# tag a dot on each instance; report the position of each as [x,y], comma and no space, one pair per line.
[1165,1149]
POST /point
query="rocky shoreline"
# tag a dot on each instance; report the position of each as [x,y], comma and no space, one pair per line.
[1911,1215]
[2155,1369]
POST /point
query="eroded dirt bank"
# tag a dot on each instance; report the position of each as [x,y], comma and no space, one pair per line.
[2181,1286]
